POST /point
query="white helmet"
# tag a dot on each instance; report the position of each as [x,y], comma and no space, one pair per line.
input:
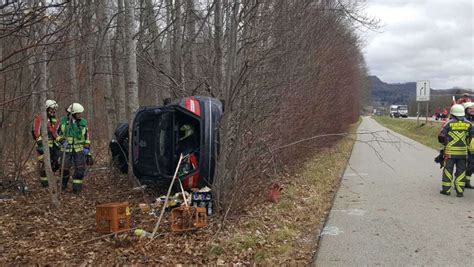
[468,105]
[75,108]
[51,104]
[457,110]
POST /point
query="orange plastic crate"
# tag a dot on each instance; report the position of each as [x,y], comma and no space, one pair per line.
[112,217]
[187,218]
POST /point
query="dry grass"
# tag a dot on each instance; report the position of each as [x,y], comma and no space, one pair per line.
[287,232]
[427,134]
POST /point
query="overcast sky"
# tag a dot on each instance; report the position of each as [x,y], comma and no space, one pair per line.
[422,40]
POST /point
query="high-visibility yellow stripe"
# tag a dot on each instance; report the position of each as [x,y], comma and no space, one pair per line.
[44,179]
[446,184]
[448,175]
[456,152]
[77,181]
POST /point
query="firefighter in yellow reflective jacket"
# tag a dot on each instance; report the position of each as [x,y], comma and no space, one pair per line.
[455,135]
[74,137]
[52,125]
[469,110]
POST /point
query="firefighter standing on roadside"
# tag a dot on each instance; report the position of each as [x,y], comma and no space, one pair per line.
[455,135]
[52,125]
[469,110]
[75,141]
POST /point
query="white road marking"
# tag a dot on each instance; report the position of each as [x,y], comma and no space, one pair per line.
[331,230]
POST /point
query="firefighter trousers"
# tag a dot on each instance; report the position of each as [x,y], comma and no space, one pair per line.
[451,178]
[54,154]
[469,170]
[79,161]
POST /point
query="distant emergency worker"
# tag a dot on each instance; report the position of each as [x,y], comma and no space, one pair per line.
[465,98]
[455,135]
[75,140]
[52,125]
[469,110]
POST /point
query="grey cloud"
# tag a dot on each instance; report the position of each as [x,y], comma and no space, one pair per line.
[431,40]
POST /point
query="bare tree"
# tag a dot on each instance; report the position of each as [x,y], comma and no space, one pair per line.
[102,77]
[132,75]
[43,81]
[72,53]
[119,54]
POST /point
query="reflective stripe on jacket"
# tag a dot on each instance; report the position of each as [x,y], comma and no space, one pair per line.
[76,134]
[456,136]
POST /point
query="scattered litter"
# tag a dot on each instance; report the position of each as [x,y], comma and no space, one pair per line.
[144,207]
[205,189]
[143,187]
[141,233]
[331,230]
[5,199]
[202,200]
[274,193]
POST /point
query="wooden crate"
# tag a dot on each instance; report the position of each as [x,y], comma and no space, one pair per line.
[187,218]
[112,217]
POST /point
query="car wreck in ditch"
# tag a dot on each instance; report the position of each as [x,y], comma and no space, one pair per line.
[188,126]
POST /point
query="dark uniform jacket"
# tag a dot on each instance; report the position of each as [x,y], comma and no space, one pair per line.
[456,135]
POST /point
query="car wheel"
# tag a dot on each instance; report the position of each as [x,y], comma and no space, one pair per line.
[119,147]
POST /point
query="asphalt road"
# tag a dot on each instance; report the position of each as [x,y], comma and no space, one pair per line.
[396,217]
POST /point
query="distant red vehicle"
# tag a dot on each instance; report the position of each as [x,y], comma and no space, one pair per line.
[465,98]
[441,113]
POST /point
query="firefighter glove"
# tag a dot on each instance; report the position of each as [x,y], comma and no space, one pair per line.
[40,150]
[89,160]
[62,140]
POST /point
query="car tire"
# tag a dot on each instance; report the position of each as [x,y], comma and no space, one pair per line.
[119,147]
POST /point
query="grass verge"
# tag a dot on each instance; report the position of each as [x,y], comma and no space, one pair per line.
[425,133]
[287,232]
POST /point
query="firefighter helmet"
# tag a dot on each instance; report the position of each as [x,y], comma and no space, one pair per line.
[51,104]
[468,105]
[457,110]
[75,108]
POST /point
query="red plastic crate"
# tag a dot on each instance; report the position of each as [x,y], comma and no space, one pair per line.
[112,217]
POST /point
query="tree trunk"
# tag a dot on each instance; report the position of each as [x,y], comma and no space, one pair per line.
[102,65]
[153,27]
[74,93]
[3,91]
[188,53]
[232,53]
[89,45]
[177,55]
[119,57]
[43,81]
[218,61]
[132,75]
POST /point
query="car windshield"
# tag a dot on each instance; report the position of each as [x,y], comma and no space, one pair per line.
[403,108]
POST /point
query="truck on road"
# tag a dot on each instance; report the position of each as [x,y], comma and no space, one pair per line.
[398,111]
